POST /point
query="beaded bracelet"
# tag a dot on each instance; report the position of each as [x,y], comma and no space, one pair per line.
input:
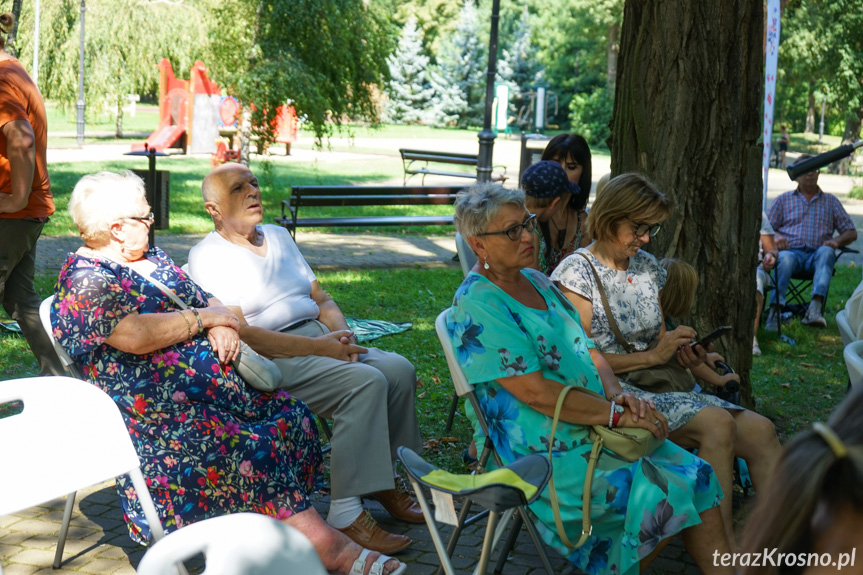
[188,325]
[611,416]
[615,396]
[198,317]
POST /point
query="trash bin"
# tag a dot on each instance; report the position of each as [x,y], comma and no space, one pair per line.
[159,199]
[532,146]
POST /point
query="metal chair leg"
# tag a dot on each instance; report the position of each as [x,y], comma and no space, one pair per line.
[64,529]
[453,406]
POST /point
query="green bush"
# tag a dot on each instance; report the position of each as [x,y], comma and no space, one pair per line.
[590,115]
[856,193]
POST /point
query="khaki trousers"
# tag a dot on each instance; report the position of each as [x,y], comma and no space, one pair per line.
[371,403]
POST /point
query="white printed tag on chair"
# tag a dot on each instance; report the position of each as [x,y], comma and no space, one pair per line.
[444,509]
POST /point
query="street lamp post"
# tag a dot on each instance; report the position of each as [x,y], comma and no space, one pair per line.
[487,136]
[80,103]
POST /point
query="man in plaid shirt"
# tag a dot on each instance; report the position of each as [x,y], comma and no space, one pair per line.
[804,221]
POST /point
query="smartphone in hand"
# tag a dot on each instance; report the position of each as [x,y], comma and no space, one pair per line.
[715,334]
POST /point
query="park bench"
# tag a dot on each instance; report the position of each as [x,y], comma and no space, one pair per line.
[417,162]
[330,196]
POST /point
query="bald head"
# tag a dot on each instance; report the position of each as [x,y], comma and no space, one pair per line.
[215,183]
[232,197]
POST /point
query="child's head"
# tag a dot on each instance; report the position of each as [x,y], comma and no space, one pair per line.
[681,281]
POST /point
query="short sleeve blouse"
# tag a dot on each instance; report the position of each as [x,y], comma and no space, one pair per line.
[633,296]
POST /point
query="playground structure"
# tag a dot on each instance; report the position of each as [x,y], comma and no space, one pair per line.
[193,113]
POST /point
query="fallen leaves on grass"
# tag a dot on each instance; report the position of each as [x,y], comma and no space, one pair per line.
[434,444]
[786,385]
[803,364]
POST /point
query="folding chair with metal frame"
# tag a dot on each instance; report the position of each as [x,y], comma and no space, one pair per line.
[465,389]
[798,289]
[499,491]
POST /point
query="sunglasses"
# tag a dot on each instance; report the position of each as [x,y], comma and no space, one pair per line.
[514,232]
[639,228]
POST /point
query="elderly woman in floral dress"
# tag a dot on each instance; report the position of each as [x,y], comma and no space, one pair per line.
[209,445]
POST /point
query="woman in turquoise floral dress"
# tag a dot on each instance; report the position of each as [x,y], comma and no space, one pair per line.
[519,341]
[209,444]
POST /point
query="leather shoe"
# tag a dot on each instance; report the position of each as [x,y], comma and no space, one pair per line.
[399,504]
[365,532]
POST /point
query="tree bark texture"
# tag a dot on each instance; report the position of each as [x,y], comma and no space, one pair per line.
[687,115]
[612,50]
[12,36]
[810,113]
[849,136]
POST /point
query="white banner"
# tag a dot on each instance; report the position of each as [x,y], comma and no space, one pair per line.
[771,53]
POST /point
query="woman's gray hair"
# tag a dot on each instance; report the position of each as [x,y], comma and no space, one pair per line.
[100,199]
[477,206]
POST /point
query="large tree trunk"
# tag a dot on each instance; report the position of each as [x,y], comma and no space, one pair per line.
[688,115]
[245,134]
[118,126]
[612,51]
[810,113]
[851,135]
[12,36]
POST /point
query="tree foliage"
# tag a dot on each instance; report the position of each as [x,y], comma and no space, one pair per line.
[409,91]
[327,57]
[463,60]
[121,53]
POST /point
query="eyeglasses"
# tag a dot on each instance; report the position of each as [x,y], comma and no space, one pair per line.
[641,228]
[514,232]
[150,218]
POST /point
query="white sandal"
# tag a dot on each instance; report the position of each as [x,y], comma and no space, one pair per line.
[377,566]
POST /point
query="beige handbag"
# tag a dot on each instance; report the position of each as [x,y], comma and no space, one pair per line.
[630,443]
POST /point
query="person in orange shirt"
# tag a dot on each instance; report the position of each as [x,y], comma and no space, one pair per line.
[25,199]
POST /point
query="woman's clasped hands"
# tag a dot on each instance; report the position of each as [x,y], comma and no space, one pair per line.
[641,412]
[223,331]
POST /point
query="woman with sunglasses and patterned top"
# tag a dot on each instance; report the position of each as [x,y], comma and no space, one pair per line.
[623,218]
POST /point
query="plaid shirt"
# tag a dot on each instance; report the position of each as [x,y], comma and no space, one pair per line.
[808,224]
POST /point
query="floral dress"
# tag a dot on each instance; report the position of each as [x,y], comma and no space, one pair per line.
[633,297]
[209,445]
[634,505]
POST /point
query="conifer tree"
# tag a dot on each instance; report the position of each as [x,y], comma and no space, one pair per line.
[409,90]
[462,61]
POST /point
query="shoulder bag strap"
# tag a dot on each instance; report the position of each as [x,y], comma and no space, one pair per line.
[586,527]
[165,289]
[611,321]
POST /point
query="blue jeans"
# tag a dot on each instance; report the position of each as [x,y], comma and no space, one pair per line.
[818,262]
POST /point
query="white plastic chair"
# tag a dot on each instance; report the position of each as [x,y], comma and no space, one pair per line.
[70,435]
[845,330]
[239,544]
[68,364]
[854,362]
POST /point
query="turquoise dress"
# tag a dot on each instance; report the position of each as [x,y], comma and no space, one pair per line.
[634,505]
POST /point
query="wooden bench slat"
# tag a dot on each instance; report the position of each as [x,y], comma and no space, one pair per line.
[362,191]
[368,221]
[323,201]
[355,196]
